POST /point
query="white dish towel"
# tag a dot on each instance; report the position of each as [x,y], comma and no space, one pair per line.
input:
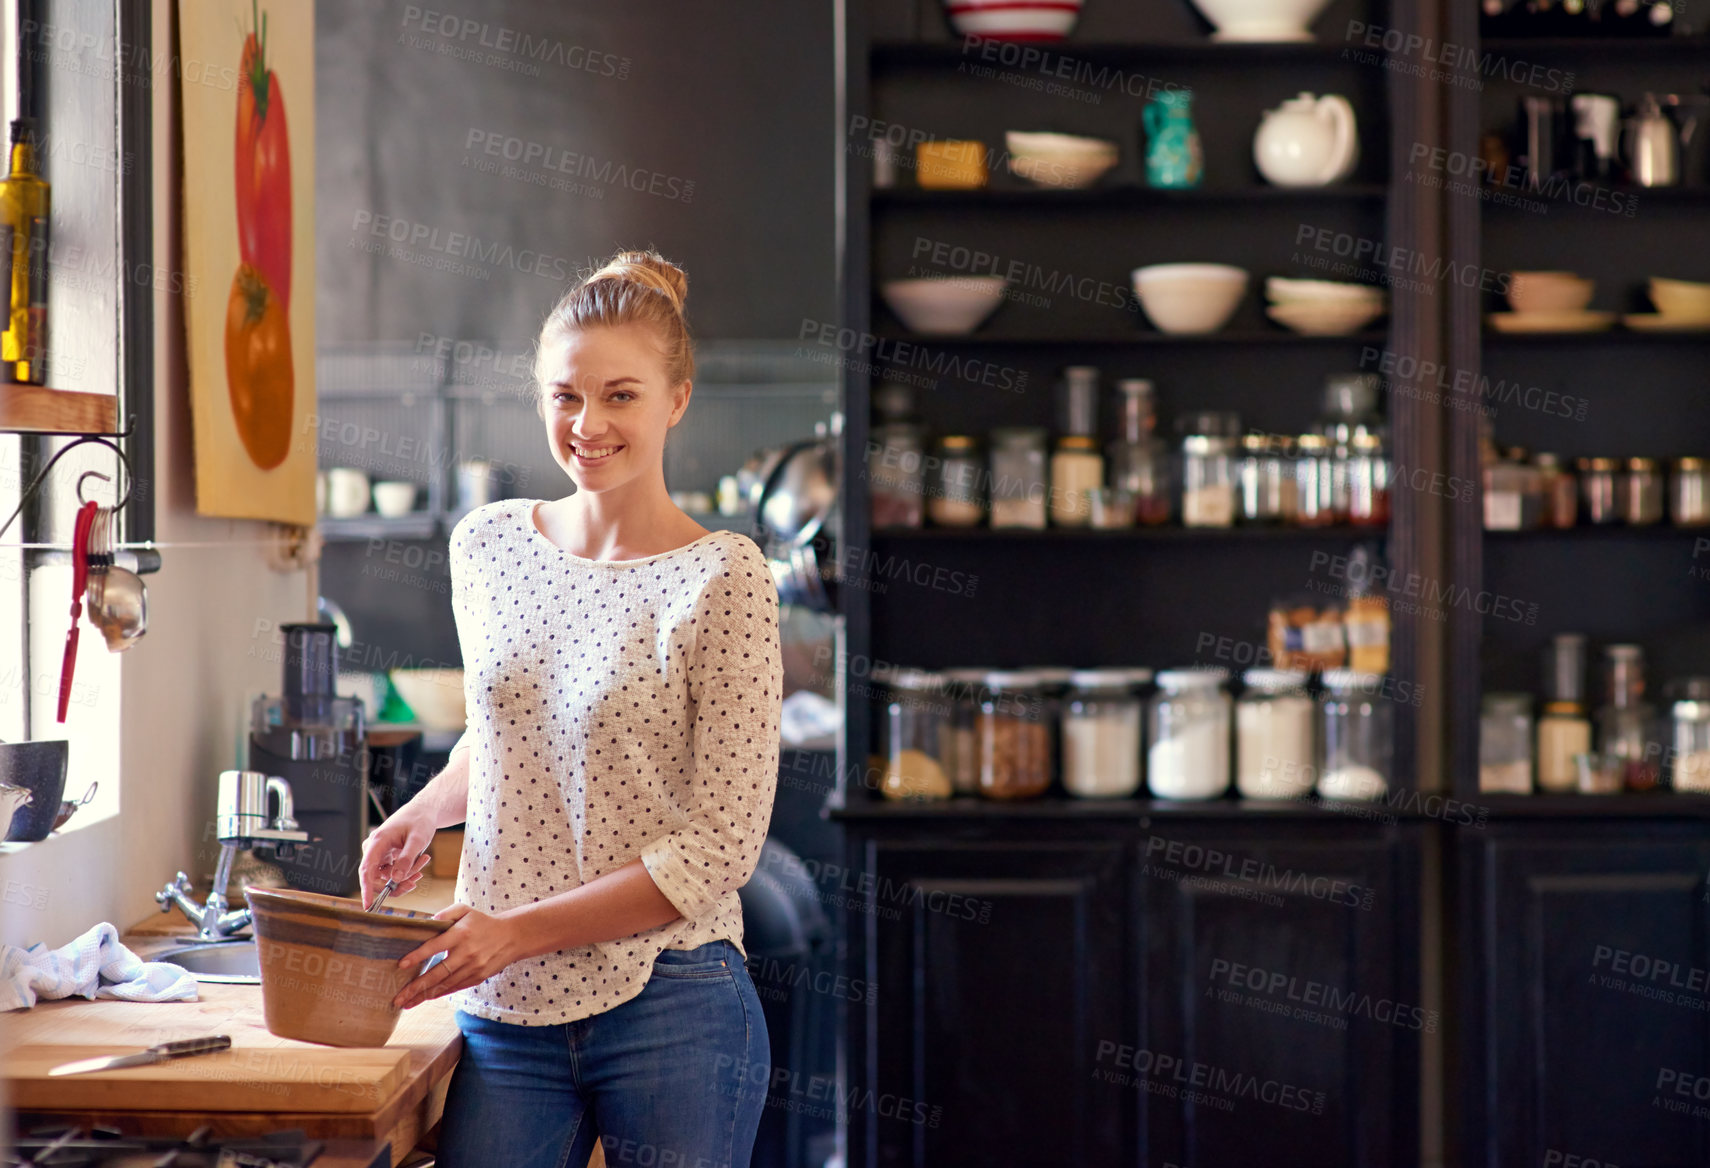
[93,966]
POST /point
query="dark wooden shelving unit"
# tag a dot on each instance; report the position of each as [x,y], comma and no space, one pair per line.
[1542,1054]
[1208,340]
[1115,196]
[1336,534]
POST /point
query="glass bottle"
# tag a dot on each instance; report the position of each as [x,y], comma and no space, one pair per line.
[1018,485]
[1078,401]
[1624,720]
[1315,482]
[1076,468]
[1564,730]
[1260,480]
[1690,731]
[956,498]
[1368,481]
[1139,459]
[25,200]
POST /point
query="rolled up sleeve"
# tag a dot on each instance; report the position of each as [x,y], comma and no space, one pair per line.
[735,680]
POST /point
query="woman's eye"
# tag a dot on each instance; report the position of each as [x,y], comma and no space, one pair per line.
[623,395]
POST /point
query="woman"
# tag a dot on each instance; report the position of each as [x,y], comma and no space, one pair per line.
[624,685]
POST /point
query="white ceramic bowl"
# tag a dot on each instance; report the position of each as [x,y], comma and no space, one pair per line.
[1681,298]
[1325,319]
[1549,292]
[1013,20]
[943,305]
[1059,160]
[1261,20]
[1284,290]
[394,497]
[1189,298]
[436,696]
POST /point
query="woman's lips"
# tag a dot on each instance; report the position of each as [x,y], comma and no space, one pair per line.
[589,455]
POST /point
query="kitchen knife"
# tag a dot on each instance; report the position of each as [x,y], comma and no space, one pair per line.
[154,1054]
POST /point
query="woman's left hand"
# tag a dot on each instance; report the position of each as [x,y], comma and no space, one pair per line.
[476,947]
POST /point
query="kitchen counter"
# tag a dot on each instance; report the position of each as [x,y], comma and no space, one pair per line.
[428,1032]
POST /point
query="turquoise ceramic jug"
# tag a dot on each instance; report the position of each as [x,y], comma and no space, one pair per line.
[1173,156]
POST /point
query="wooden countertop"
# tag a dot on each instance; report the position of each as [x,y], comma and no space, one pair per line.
[428,1031]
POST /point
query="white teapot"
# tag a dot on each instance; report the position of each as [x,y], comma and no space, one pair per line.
[1307,141]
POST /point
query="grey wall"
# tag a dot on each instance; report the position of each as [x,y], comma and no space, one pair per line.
[733,98]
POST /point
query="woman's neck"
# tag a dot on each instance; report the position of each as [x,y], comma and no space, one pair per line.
[628,522]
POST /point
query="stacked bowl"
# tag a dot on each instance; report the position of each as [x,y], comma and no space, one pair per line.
[1324,308]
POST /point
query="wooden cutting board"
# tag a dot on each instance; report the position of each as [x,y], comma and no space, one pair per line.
[255,1078]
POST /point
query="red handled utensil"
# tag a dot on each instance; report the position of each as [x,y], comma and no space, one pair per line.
[79,581]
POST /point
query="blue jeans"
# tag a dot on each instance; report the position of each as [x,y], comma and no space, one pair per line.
[673,1078]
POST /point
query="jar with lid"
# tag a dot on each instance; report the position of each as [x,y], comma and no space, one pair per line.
[1265,486]
[1014,736]
[1564,728]
[1350,406]
[1355,722]
[1101,734]
[1624,721]
[1077,468]
[1208,481]
[1598,479]
[956,498]
[1690,733]
[1641,499]
[963,689]
[1274,756]
[1139,459]
[1315,482]
[1018,486]
[1505,744]
[1189,753]
[1368,481]
[1689,493]
[1513,494]
[915,725]
[896,475]
[1560,490]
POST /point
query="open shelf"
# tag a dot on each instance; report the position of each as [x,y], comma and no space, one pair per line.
[1126,195]
[1278,55]
[36,409]
[1278,337]
[1169,532]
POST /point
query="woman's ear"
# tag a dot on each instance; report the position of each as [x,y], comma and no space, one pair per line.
[681,403]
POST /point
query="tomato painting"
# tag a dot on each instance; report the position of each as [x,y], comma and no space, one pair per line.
[258,368]
[263,162]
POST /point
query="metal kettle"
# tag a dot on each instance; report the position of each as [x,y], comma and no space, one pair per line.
[1653,151]
[793,499]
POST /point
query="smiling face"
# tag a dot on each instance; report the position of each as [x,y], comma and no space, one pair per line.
[608,403]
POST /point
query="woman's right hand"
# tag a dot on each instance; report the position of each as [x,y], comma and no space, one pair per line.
[397,850]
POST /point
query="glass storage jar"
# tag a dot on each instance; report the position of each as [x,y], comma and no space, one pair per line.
[1561,491]
[963,689]
[1101,734]
[1018,484]
[896,475]
[957,497]
[1367,473]
[1015,736]
[1139,459]
[1265,492]
[1208,481]
[915,722]
[1597,489]
[1689,493]
[1077,469]
[1274,757]
[1564,729]
[1642,492]
[1189,753]
[1078,400]
[1690,734]
[1356,725]
[1505,744]
[1315,482]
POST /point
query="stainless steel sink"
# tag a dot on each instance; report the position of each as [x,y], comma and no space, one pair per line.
[231,962]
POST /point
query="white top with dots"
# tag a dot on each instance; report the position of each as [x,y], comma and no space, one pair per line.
[616,709]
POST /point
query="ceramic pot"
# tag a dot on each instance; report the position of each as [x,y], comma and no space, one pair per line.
[1307,141]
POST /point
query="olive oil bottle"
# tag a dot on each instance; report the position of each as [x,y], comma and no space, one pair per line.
[24,202]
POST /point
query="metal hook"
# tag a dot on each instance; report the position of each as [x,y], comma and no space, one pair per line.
[86,474]
[42,474]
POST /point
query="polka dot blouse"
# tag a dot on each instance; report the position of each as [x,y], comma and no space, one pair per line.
[617,709]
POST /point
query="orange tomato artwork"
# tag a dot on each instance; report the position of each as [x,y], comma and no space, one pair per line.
[258,368]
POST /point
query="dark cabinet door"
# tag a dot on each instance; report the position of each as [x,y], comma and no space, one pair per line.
[998,969]
[1588,1032]
[1281,995]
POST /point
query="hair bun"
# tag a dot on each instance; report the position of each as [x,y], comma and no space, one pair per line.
[650,270]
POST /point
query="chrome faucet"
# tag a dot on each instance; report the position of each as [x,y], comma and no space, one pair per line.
[242,823]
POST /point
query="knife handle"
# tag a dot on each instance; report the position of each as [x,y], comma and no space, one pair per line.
[188,1046]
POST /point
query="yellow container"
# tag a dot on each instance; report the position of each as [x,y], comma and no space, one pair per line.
[951,165]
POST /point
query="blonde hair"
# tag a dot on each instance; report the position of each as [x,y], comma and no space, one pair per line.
[633,287]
